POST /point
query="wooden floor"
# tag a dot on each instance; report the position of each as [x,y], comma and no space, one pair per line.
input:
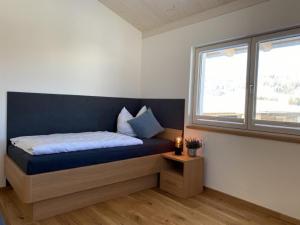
[151,207]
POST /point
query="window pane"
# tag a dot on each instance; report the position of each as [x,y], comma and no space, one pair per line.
[278,81]
[223,82]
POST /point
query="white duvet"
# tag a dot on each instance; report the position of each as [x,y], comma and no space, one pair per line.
[55,143]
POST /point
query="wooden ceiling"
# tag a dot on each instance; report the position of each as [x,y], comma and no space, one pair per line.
[150,15]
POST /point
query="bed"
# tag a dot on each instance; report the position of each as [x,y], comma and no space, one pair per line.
[47,185]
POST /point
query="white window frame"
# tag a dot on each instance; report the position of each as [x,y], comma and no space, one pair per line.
[212,120]
[264,125]
[249,123]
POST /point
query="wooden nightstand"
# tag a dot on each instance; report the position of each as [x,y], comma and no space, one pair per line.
[182,175]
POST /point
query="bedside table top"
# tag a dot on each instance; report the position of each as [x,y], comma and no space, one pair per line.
[180,158]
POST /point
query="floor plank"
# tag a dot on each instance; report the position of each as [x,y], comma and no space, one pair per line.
[152,207]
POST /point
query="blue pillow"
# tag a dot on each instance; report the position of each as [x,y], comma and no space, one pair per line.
[146,125]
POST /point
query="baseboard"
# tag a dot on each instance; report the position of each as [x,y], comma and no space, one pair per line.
[253,206]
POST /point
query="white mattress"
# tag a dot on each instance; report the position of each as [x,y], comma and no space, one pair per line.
[56,143]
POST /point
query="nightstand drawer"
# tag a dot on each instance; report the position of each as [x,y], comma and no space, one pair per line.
[172,183]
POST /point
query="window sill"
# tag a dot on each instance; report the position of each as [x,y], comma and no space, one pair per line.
[248,133]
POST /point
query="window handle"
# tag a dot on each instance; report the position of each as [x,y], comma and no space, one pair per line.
[251,87]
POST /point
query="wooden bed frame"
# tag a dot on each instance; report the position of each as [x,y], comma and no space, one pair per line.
[49,194]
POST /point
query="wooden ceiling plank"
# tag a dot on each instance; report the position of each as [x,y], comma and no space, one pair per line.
[155,16]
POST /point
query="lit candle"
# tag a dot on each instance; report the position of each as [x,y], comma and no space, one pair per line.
[178,142]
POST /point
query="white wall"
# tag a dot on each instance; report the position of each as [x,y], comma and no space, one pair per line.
[260,171]
[65,46]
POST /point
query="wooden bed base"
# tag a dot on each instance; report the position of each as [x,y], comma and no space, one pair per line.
[34,188]
[55,206]
[48,194]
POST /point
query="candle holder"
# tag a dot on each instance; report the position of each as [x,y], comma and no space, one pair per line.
[178,146]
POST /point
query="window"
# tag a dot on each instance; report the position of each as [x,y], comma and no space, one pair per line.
[222,80]
[250,84]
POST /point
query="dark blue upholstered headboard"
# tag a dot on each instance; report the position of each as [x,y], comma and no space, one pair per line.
[36,114]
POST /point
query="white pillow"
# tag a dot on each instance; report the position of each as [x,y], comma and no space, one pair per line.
[142,110]
[123,127]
